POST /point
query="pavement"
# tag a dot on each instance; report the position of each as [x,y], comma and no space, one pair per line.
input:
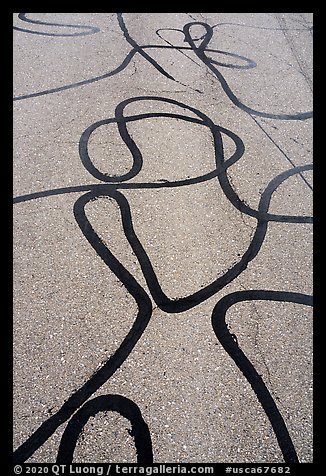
[163,237]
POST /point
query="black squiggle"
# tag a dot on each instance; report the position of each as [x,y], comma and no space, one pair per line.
[116,403]
[246,367]
[262,216]
[258,27]
[200,51]
[89,30]
[95,191]
[220,172]
[247,63]
[140,49]
[144,304]
[117,70]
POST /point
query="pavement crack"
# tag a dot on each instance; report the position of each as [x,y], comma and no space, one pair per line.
[190,15]
[289,39]
[242,214]
[135,68]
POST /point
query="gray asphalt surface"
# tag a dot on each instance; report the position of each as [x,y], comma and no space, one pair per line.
[71,311]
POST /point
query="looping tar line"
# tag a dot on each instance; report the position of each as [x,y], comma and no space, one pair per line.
[80,407]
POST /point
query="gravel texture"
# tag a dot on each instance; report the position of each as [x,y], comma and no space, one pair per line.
[71,312]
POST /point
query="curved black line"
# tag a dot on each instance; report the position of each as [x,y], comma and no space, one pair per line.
[144,304]
[121,120]
[262,216]
[117,70]
[22,16]
[133,287]
[259,27]
[250,63]
[188,302]
[220,171]
[266,196]
[139,48]
[247,65]
[246,367]
[200,52]
[49,193]
[182,304]
[114,403]
[102,189]
[221,164]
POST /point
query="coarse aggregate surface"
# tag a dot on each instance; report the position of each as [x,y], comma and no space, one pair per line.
[173,230]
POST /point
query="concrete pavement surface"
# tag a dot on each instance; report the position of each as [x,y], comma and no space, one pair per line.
[163,237]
